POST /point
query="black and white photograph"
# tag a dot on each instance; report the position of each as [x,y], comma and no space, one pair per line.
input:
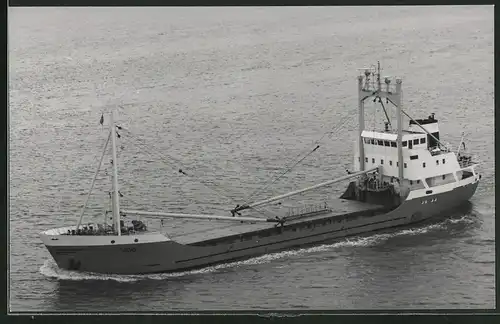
[250,158]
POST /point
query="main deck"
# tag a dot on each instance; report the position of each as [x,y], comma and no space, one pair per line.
[216,230]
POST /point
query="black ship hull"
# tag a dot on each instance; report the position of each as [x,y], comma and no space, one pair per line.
[171,256]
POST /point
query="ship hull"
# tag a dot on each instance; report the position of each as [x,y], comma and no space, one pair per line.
[169,256]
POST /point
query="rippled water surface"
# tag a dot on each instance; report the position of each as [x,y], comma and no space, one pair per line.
[232,96]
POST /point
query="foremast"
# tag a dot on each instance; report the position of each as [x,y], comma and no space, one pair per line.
[114,163]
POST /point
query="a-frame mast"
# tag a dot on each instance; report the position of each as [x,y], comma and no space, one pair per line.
[368,88]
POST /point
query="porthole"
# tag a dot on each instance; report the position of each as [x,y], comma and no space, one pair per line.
[136,240]
[113,242]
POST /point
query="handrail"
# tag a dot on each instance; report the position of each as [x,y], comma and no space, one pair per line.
[466,163]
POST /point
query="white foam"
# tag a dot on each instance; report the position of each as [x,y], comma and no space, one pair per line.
[51,270]
[464,219]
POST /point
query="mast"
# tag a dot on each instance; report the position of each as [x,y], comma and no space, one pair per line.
[400,129]
[378,76]
[373,88]
[116,199]
[361,122]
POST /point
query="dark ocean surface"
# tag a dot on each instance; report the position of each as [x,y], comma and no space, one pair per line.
[233,96]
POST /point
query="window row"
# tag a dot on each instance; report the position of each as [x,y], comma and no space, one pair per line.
[413,157]
[379,142]
[382,162]
[418,181]
[375,141]
[437,162]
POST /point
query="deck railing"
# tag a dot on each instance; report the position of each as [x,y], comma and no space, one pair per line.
[376,185]
[466,160]
[436,150]
[308,209]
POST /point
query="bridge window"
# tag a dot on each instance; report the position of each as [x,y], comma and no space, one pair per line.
[405,165]
[380,142]
[411,182]
[423,164]
[422,140]
[393,144]
[366,140]
[414,157]
[372,141]
[415,142]
[418,181]
[405,143]
[386,143]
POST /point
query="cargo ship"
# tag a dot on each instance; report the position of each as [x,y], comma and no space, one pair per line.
[401,174]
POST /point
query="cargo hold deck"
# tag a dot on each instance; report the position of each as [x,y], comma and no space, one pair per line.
[215,231]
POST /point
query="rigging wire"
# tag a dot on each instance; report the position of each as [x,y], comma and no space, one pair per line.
[149,153]
[385,111]
[181,171]
[96,158]
[184,173]
[281,175]
[166,149]
[263,213]
[330,133]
